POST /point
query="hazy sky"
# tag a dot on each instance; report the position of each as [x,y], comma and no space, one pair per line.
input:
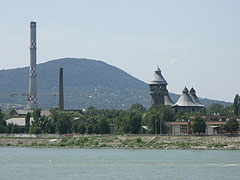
[195,42]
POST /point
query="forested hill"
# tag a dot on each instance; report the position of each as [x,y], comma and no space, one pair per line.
[86,83]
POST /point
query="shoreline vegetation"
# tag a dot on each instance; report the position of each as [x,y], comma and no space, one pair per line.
[126,142]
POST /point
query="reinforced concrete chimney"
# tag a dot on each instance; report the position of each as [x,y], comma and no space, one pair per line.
[61,102]
[32,97]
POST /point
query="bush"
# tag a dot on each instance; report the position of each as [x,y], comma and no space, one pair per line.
[34,130]
[138,140]
[81,128]
[231,126]
[199,125]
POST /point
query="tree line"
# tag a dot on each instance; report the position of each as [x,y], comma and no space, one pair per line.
[130,121]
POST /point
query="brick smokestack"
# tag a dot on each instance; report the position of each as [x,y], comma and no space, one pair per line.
[61,102]
[32,97]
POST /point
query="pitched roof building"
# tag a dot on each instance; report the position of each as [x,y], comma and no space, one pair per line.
[188,102]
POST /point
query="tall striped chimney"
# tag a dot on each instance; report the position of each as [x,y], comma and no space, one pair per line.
[61,102]
[32,97]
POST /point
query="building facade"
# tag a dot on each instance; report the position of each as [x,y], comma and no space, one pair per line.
[158,89]
[188,102]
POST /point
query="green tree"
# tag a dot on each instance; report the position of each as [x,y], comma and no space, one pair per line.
[156,116]
[129,122]
[217,109]
[90,129]
[64,123]
[34,129]
[61,120]
[47,125]
[75,127]
[138,108]
[36,116]
[81,128]
[27,122]
[199,125]
[2,122]
[50,127]
[104,127]
[12,128]
[203,111]
[1,115]
[232,126]
[236,105]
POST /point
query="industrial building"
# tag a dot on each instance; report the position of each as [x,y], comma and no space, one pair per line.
[188,101]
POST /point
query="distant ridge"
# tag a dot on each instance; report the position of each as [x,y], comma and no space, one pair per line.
[86,83]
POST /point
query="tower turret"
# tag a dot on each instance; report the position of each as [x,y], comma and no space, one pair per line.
[158,89]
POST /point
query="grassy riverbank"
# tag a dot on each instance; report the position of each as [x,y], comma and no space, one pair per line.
[129,142]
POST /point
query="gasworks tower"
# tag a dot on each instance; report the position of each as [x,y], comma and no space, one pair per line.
[158,89]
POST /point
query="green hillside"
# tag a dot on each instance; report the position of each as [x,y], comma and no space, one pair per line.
[86,83]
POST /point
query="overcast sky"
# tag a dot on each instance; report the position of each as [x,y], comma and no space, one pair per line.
[194,42]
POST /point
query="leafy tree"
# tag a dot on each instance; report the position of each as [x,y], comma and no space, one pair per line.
[2,122]
[129,122]
[138,108]
[12,128]
[236,105]
[91,124]
[91,111]
[64,123]
[156,116]
[9,128]
[217,109]
[75,128]
[34,129]
[104,127]
[90,129]
[47,125]
[36,116]
[203,111]
[199,125]
[50,127]
[1,115]
[27,122]
[81,128]
[231,126]
[230,110]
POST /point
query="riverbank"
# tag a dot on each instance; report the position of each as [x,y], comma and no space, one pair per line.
[128,142]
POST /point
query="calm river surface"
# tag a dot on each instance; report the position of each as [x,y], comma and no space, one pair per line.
[110,164]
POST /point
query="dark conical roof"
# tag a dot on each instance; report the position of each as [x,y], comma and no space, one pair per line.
[195,98]
[168,100]
[158,78]
[188,99]
[185,99]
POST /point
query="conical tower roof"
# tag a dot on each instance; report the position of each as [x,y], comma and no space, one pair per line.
[195,98]
[158,79]
[167,100]
[185,99]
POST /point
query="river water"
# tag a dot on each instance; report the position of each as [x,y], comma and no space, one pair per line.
[110,164]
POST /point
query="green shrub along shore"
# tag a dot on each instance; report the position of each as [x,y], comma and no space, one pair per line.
[128,142]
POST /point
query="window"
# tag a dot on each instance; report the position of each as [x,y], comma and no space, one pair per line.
[183,129]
